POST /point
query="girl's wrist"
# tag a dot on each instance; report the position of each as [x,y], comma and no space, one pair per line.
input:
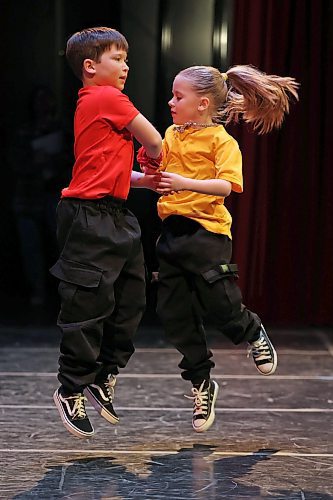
[187,184]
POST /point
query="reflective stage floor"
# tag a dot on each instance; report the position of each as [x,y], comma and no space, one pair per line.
[272,437]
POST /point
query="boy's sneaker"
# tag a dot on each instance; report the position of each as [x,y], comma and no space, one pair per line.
[73,413]
[263,353]
[204,399]
[101,397]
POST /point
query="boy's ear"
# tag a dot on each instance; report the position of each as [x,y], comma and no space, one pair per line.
[89,66]
[204,104]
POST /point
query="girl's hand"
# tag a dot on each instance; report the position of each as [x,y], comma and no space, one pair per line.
[171,183]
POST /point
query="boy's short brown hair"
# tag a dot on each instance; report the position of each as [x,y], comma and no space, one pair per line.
[91,43]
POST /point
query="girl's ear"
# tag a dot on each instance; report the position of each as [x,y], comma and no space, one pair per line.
[204,104]
[89,66]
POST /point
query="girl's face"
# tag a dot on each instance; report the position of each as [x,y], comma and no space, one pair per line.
[185,104]
[112,69]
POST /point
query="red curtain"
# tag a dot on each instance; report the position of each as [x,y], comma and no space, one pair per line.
[283,222]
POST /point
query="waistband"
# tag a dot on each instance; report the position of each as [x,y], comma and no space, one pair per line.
[106,201]
[179,224]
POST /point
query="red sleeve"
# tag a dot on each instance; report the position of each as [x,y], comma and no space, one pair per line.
[117,108]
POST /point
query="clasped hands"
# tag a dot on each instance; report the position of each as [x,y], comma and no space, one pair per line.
[161,182]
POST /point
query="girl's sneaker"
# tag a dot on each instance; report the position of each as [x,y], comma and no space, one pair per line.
[204,398]
[263,353]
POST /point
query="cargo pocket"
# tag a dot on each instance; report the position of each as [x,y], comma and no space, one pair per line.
[221,271]
[77,289]
[223,279]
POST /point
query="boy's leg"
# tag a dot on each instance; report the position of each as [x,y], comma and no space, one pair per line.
[83,310]
[91,241]
[120,327]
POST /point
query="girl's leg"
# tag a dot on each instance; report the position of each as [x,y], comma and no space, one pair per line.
[221,301]
[183,326]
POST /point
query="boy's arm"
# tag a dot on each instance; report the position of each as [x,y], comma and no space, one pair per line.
[140,180]
[146,134]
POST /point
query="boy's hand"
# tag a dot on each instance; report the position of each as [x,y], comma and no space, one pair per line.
[151,181]
[147,165]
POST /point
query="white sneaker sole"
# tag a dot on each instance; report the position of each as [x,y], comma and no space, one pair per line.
[67,424]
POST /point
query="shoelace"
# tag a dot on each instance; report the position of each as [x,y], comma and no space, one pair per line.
[109,389]
[109,386]
[258,349]
[78,410]
[200,400]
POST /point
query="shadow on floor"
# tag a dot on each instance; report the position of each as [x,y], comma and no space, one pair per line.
[191,473]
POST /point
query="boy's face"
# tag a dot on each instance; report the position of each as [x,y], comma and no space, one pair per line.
[112,69]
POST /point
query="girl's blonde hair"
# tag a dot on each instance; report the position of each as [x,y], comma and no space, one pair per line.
[244,92]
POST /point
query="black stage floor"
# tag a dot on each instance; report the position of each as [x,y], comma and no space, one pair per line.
[272,437]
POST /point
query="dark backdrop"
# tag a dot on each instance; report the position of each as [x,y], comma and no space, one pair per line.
[283,221]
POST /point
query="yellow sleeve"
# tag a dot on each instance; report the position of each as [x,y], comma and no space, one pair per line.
[228,163]
[165,150]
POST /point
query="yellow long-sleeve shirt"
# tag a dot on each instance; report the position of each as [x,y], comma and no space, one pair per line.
[207,153]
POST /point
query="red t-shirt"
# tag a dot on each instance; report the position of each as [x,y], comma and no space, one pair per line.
[103,147]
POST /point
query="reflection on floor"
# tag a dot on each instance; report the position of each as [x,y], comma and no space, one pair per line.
[272,437]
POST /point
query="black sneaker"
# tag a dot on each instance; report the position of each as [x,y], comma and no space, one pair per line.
[73,413]
[101,397]
[264,354]
[203,405]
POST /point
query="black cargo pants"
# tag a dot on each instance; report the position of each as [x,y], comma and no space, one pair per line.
[102,288]
[192,287]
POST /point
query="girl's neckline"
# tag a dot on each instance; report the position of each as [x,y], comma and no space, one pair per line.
[195,125]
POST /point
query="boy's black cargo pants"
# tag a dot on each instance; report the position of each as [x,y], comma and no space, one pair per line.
[102,288]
